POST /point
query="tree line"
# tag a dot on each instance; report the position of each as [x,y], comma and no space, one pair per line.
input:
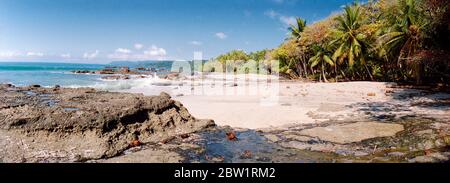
[385,40]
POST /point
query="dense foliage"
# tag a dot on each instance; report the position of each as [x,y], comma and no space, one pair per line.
[386,40]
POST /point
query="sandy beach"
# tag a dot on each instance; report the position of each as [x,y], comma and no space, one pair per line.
[256,104]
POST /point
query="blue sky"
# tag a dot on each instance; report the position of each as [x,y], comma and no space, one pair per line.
[99,31]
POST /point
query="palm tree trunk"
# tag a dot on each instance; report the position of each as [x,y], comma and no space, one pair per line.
[419,72]
[323,73]
[368,72]
[305,67]
[320,77]
[386,68]
[335,73]
[298,67]
[324,77]
[343,74]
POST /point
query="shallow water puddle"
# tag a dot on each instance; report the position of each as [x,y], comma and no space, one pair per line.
[30,93]
[71,109]
[250,146]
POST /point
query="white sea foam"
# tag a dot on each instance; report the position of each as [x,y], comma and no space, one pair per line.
[115,85]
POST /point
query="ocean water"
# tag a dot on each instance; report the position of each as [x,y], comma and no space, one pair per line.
[51,74]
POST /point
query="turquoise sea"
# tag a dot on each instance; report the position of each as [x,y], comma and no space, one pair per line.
[51,74]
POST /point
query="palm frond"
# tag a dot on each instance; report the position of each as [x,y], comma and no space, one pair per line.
[328,60]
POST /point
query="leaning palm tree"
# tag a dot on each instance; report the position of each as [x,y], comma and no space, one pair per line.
[404,36]
[296,34]
[350,43]
[321,58]
[296,30]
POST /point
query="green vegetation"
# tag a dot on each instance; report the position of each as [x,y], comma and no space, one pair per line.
[385,40]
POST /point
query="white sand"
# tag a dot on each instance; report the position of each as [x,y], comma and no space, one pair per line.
[256,105]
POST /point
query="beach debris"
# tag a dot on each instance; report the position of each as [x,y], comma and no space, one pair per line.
[183,136]
[246,154]
[389,91]
[167,140]
[428,152]
[371,94]
[135,143]
[231,136]
[217,159]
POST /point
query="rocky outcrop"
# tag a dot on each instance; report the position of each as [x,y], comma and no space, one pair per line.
[67,125]
[355,132]
[116,77]
[117,70]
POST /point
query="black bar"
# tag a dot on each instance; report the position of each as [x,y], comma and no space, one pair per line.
[271,172]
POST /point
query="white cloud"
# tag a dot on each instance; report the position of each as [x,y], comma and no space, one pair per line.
[9,54]
[287,21]
[35,54]
[196,43]
[93,55]
[66,55]
[155,51]
[123,51]
[221,35]
[271,14]
[138,46]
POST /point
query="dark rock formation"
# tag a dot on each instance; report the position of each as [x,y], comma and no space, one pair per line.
[67,125]
[116,77]
[83,72]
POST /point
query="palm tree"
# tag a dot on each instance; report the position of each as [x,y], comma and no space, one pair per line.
[321,58]
[296,33]
[296,30]
[350,43]
[404,37]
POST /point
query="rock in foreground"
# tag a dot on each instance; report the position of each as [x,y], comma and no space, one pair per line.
[355,132]
[67,125]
